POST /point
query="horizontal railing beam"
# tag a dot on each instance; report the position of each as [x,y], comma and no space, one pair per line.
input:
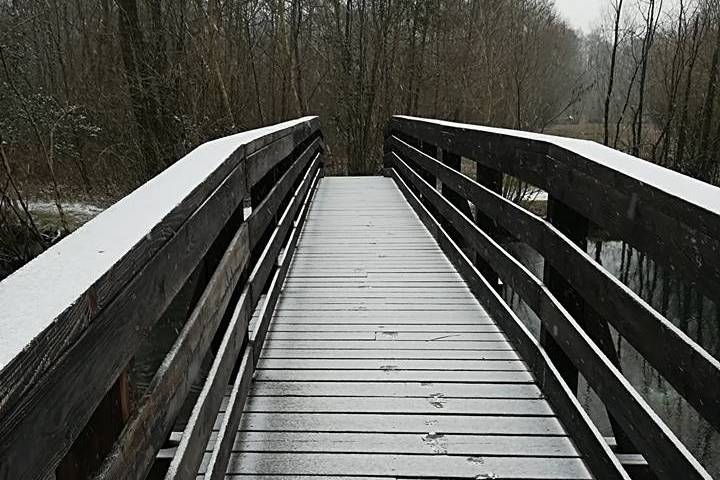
[49,390]
[692,371]
[190,451]
[599,457]
[666,455]
[673,218]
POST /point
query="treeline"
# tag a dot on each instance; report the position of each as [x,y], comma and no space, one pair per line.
[102,94]
[97,96]
[656,69]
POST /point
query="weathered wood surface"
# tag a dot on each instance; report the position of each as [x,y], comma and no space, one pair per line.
[672,217]
[687,366]
[383,399]
[596,452]
[668,457]
[88,269]
[110,282]
[190,450]
[43,424]
[148,427]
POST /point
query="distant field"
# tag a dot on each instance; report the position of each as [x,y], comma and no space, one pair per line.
[585,131]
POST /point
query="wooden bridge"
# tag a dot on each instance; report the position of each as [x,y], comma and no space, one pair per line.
[354,327]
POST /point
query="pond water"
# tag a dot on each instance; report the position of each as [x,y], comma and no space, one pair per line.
[694,314]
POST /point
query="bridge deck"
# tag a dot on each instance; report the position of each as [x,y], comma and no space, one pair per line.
[380,362]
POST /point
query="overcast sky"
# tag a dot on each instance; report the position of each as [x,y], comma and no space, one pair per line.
[586,14]
[582,14]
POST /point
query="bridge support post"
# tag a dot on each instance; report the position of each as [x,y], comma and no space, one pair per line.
[97,438]
[576,228]
[493,180]
[453,161]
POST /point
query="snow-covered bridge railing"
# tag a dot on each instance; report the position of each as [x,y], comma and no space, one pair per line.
[72,319]
[671,217]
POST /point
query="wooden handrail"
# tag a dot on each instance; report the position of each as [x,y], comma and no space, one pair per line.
[693,372]
[555,164]
[673,218]
[189,454]
[599,457]
[115,277]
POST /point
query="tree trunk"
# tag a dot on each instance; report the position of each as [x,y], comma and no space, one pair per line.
[611,79]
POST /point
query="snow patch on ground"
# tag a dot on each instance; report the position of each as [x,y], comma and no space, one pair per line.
[78,209]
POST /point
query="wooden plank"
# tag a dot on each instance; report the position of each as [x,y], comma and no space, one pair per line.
[280,326]
[135,449]
[397,389]
[664,452]
[384,364]
[417,424]
[409,354]
[339,322]
[437,444]
[391,336]
[394,405]
[390,375]
[383,308]
[386,345]
[379,315]
[240,476]
[431,466]
[596,452]
[295,302]
[410,291]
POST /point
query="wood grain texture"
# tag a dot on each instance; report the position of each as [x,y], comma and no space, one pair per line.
[52,382]
[357,388]
[88,269]
[668,457]
[425,466]
[621,194]
[190,451]
[687,366]
[596,452]
[50,416]
[147,429]
[330,383]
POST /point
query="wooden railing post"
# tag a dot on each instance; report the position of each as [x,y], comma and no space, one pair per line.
[453,161]
[431,150]
[576,228]
[97,438]
[492,179]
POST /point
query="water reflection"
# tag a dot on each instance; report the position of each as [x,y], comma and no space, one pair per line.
[680,303]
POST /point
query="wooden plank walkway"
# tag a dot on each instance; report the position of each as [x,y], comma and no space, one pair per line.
[380,362]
